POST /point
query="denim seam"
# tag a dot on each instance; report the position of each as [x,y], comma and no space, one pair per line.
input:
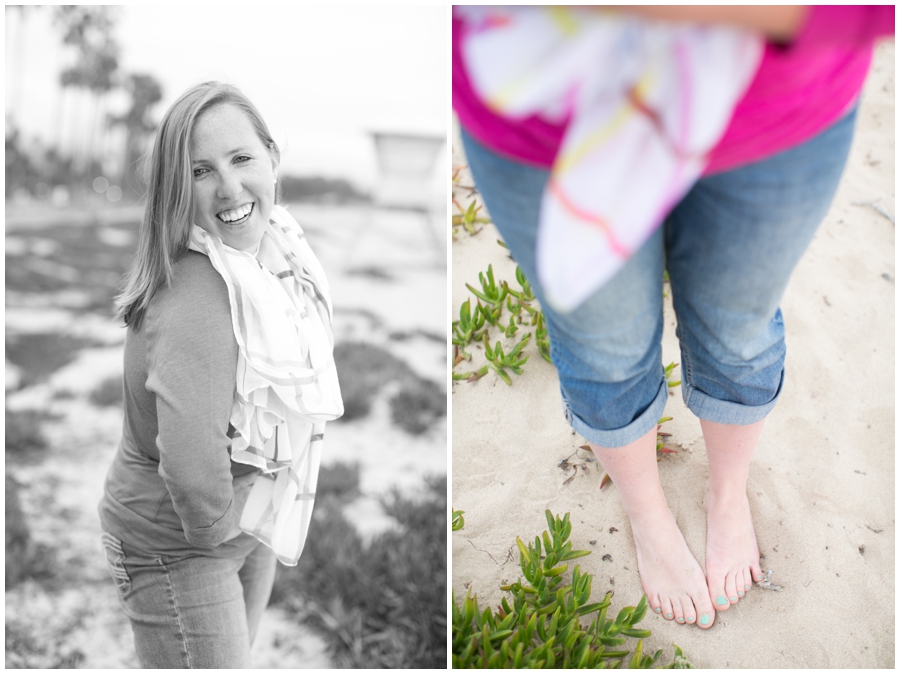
[687,376]
[174,603]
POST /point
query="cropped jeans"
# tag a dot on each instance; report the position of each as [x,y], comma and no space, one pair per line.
[193,611]
[729,246]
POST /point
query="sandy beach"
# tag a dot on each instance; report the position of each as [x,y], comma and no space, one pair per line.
[822,479]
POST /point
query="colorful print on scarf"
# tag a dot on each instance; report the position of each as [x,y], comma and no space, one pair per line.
[645,102]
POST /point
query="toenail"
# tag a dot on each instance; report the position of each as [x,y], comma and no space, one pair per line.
[690,619]
[668,615]
[704,619]
[740,594]
[746,587]
[721,601]
[658,610]
[734,599]
[681,620]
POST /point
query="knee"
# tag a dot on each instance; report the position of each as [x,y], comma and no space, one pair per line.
[607,351]
[734,336]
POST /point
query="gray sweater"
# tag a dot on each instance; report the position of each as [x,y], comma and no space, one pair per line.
[171,487]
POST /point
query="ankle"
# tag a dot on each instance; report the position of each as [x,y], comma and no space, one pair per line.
[647,511]
[726,489]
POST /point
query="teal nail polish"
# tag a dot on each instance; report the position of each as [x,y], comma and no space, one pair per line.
[740,594]
[658,610]
[668,615]
[721,601]
[681,620]
[734,599]
[746,587]
[690,619]
[704,619]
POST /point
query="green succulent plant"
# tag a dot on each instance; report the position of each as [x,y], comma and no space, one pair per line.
[491,292]
[500,361]
[468,328]
[538,624]
[456,520]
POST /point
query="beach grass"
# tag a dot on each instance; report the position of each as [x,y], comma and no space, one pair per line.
[24,437]
[38,355]
[89,257]
[382,603]
[365,369]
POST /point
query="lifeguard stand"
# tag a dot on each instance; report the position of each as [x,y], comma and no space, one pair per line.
[406,165]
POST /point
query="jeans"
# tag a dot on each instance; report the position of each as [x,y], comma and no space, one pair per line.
[191,612]
[729,246]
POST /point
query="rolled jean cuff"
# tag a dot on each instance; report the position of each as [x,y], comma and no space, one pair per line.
[619,437]
[723,412]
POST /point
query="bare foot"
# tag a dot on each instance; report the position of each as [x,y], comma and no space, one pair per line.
[670,575]
[732,555]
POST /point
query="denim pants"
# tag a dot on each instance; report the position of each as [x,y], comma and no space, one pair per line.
[729,246]
[191,612]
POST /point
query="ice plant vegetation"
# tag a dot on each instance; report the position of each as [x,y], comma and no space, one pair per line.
[494,299]
[538,625]
[467,216]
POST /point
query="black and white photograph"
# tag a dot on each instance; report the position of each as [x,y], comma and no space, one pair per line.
[226,336]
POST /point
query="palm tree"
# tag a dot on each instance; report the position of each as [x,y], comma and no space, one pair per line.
[145,92]
[89,29]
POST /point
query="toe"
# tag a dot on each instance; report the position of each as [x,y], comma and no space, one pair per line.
[704,614]
[756,572]
[715,580]
[679,608]
[667,611]
[655,604]
[731,587]
[706,618]
[718,596]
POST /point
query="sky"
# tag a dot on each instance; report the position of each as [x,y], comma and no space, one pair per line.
[323,77]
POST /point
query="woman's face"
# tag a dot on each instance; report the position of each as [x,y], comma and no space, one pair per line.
[234,177]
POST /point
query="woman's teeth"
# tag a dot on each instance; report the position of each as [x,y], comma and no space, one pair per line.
[235,214]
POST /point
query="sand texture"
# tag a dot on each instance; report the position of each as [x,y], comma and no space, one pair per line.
[822,479]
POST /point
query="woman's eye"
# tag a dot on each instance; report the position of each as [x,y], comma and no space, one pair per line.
[242,158]
[199,172]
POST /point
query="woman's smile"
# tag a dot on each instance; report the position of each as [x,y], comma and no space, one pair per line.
[236,216]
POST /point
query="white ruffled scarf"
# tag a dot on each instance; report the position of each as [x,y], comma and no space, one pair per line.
[645,103]
[287,386]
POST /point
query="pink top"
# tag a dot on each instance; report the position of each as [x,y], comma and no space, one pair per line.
[799,90]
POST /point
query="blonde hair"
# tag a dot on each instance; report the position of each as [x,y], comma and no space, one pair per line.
[166,224]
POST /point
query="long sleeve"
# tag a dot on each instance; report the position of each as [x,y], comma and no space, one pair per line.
[192,355]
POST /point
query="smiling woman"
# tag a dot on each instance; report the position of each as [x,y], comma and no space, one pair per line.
[229,380]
